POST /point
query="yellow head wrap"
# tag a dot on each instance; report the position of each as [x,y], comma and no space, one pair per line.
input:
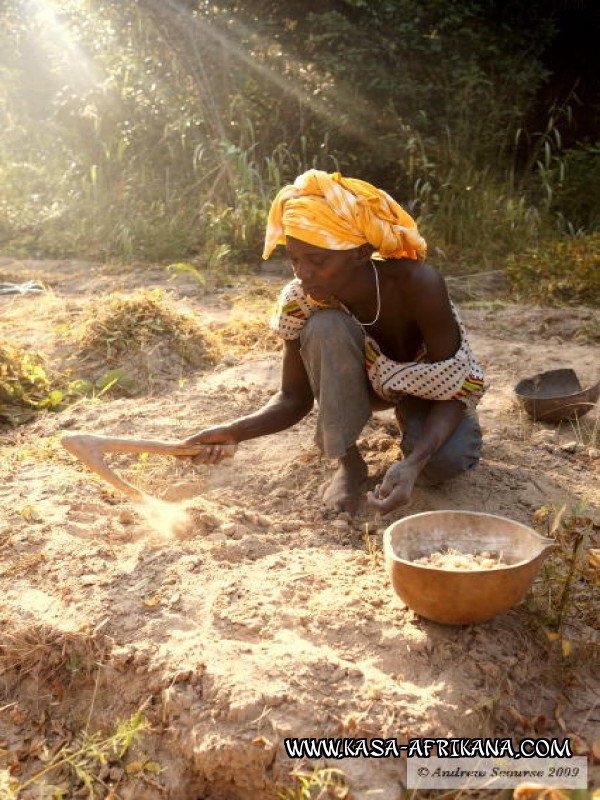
[341,213]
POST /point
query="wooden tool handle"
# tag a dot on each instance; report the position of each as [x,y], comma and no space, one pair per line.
[114,444]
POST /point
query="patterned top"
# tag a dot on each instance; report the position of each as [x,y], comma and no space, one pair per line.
[458,377]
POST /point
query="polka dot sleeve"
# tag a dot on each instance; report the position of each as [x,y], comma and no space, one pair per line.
[459,377]
[292,311]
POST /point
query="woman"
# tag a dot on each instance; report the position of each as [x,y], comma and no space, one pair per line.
[367,324]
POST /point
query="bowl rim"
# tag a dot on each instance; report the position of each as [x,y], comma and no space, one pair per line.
[584,390]
[389,550]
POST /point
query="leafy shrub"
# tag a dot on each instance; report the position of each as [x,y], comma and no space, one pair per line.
[28,385]
[577,198]
[558,272]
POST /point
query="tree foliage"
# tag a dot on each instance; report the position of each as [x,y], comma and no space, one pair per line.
[161,128]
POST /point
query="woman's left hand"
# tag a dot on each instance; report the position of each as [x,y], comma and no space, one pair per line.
[396,488]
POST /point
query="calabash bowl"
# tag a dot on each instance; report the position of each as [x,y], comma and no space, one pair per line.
[460,597]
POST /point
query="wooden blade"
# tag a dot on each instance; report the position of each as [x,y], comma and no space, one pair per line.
[90,449]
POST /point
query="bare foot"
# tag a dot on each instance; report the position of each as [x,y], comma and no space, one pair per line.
[343,493]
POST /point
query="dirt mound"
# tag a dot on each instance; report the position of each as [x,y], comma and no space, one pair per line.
[119,734]
[140,340]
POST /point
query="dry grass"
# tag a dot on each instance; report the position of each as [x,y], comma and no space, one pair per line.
[247,330]
[125,344]
[524,792]
[566,594]
[132,343]
[121,324]
[45,650]
[246,334]
[64,756]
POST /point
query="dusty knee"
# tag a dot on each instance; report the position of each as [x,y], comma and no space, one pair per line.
[460,453]
[443,466]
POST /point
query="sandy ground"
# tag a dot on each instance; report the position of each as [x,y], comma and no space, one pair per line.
[264,617]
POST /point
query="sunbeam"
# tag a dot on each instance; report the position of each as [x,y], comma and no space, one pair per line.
[50,20]
[348,114]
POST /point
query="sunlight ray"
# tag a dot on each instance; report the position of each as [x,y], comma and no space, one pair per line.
[57,38]
[337,115]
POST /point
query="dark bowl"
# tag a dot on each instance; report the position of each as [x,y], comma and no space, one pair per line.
[556,395]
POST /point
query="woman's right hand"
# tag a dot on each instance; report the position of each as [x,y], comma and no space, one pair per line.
[213,440]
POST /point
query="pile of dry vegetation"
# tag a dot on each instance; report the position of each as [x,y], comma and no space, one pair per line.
[141,339]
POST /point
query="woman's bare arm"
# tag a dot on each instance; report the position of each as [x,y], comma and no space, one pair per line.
[288,406]
[426,294]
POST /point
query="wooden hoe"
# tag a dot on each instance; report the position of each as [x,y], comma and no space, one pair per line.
[91,449]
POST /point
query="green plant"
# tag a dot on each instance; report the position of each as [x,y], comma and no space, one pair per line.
[169,140]
[115,378]
[577,196]
[558,272]
[564,592]
[189,269]
[321,783]
[83,759]
[29,385]
[476,216]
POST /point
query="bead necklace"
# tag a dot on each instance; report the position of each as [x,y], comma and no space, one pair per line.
[373,321]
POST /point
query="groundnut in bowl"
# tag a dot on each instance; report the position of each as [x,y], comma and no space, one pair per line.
[454,559]
[462,567]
